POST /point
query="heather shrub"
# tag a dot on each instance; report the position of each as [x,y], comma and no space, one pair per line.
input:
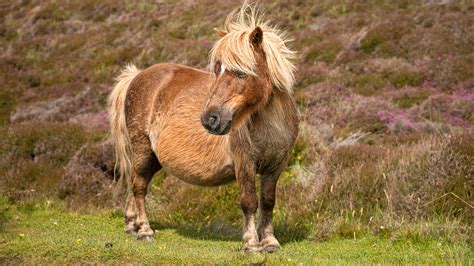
[399,122]
[34,154]
[456,109]
[363,188]
[354,179]
[63,108]
[455,171]
[88,176]
[330,104]
[366,118]
[424,172]
[355,155]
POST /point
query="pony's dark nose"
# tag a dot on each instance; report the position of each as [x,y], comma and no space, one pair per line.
[211,121]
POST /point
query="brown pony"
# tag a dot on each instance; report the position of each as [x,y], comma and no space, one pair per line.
[210,128]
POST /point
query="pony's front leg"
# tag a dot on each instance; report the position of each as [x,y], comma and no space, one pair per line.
[268,182]
[245,173]
[268,240]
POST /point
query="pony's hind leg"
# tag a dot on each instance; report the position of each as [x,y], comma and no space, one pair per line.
[130,214]
[146,165]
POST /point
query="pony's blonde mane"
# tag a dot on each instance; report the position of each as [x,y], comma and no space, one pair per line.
[235,51]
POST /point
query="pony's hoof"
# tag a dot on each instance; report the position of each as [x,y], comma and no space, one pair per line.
[130,231]
[146,238]
[271,249]
[270,244]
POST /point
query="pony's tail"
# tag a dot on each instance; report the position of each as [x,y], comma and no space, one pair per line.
[118,128]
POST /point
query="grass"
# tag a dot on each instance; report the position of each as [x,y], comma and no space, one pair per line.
[407,100]
[6,105]
[45,233]
[326,52]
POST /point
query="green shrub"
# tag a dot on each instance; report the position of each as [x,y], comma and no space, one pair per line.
[372,40]
[368,84]
[405,78]
[6,106]
[407,100]
[384,39]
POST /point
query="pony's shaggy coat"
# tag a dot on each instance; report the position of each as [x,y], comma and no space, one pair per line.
[157,118]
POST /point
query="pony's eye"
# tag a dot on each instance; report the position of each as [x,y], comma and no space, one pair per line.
[217,68]
[239,74]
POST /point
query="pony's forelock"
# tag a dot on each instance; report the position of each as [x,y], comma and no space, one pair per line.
[235,51]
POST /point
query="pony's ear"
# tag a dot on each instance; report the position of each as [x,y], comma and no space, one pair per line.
[256,37]
[220,32]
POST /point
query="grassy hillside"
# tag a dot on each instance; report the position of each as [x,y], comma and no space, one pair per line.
[386,95]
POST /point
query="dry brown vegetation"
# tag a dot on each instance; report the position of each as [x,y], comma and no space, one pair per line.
[385,90]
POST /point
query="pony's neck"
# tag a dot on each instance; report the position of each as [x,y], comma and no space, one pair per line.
[273,114]
[268,119]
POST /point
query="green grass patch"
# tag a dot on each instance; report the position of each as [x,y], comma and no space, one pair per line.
[371,41]
[384,39]
[368,84]
[7,104]
[405,78]
[408,100]
[45,233]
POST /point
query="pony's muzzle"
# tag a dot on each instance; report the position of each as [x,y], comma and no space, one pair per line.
[216,123]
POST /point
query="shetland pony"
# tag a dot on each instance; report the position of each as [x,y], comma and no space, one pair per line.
[210,128]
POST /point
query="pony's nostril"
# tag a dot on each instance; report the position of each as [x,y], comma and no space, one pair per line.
[211,120]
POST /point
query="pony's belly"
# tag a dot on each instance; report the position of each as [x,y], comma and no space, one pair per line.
[219,178]
[195,157]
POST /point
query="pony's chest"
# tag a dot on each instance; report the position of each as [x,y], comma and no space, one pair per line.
[270,144]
